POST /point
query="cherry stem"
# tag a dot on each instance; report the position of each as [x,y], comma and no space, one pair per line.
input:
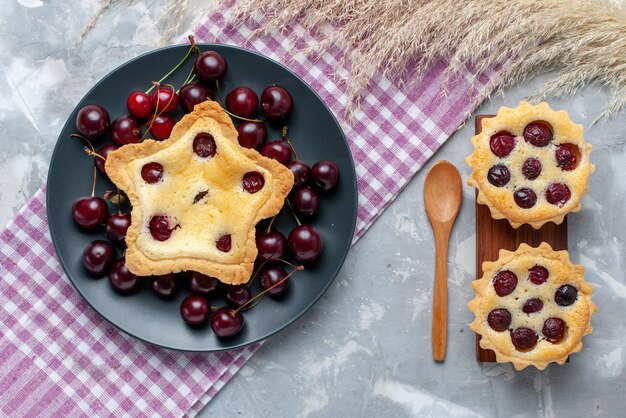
[286,138]
[191,74]
[93,185]
[242,118]
[293,213]
[93,154]
[269,227]
[119,207]
[219,92]
[193,47]
[296,268]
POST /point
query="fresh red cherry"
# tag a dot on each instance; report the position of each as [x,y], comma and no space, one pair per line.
[306,201]
[90,212]
[305,243]
[325,175]
[523,338]
[499,175]
[499,319]
[152,172]
[98,257]
[505,283]
[538,133]
[103,151]
[271,276]
[242,101]
[122,280]
[125,130]
[271,244]
[164,99]
[223,243]
[192,94]
[553,330]
[204,145]
[277,150]
[565,295]
[558,194]
[195,310]
[252,182]
[251,134]
[116,227]
[532,305]
[161,126]
[538,274]
[204,285]
[502,143]
[165,286]
[92,121]
[276,103]
[225,322]
[161,227]
[531,168]
[237,295]
[139,105]
[210,66]
[300,172]
[567,156]
[525,198]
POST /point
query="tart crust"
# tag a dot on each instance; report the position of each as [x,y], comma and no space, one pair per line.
[576,316]
[236,266]
[500,200]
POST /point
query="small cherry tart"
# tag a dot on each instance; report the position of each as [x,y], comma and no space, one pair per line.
[530,165]
[532,307]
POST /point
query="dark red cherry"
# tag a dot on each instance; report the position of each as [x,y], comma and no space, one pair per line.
[271,276]
[204,285]
[139,105]
[532,305]
[271,244]
[98,257]
[305,201]
[164,99]
[223,243]
[116,227]
[161,126]
[192,94]
[90,212]
[251,134]
[300,172]
[553,330]
[499,319]
[252,181]
[92,121]
[565,295]
[305,243]
[538,133]
[505,283]
[122,280]
[524,338]
[277,150]
[325,175]
[567,156]
[165,286]
[276,103]
[531,168]
[152,172]
[242,101]
[204,145]
[225,322]
[125,130]
[502,143]
[237,295]
[209,66]
[525,198]
[538,274]
[558,194]
[499,175]
[103,151]
[195,310]
[161,227]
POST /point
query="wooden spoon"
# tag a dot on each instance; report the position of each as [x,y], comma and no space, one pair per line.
[442,200]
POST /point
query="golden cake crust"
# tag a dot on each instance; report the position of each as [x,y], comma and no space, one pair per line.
[500,199]
[206,117]
[576,316]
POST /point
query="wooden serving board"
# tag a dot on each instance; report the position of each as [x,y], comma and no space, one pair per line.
[494,235]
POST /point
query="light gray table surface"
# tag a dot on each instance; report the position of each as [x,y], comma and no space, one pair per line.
[364,349]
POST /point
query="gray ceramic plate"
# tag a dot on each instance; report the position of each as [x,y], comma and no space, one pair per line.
[316,135]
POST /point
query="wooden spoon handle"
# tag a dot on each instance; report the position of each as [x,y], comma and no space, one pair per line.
[440,297]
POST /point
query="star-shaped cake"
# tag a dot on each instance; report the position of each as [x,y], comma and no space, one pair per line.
[197,197]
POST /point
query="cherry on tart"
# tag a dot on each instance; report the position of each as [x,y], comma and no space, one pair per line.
[532,306]
[92,121]
[226,322]
[98,257]
[530,165]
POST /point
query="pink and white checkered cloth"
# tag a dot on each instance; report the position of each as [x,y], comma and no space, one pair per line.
[60,358]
